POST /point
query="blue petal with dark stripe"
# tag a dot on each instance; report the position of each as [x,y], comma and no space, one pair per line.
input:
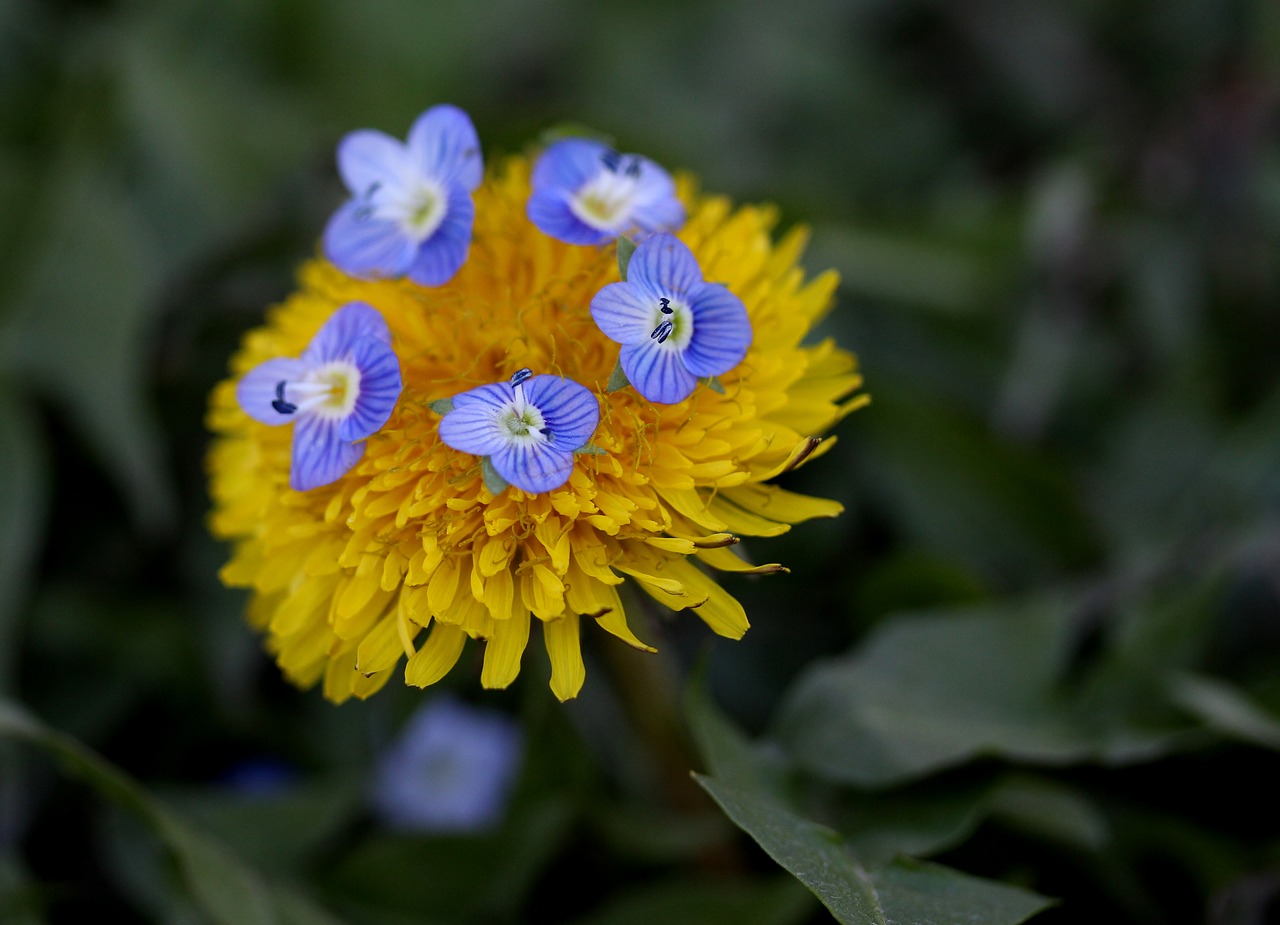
[343,328]
[721,331]
[569,410]
[535,467]
[362,245]
[624,312]
[257,390]
[380,387]
[440,256]
[320,456]
[657,372]
[473,426]
[663,265]
[445,147]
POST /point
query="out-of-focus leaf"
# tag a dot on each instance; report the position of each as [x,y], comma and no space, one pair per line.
[1051,811]
[79,327]
[1225,709]
[930,690]
[730,757]
[22,511]
[456,876]
[960,493]
[653,834]
[904,891]
[229,892]
[20,902]
[780,902]
[914,822]
[274,831]
[901,269]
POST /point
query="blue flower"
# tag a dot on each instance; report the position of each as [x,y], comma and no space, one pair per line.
[584,192]
[673,326]
[411,212]
[529,427]
[451,770]
[341,390]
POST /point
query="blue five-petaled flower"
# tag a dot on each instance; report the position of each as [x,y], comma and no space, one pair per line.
[674,327]
[340,391]
[410,212]
[584,192]
[529,427]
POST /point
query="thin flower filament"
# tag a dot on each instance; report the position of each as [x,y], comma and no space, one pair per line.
[329,391]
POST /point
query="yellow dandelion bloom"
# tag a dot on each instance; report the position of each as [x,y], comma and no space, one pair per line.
[408,555]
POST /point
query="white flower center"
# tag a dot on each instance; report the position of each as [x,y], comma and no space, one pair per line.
[329,391]
[522,423]
[418,208]
[605,201]
[680,319]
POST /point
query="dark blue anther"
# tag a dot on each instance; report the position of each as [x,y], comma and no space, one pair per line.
[282,406]
[666,306]
[520,375]
[662,332]
[611,159]
[633,168]
[545,431]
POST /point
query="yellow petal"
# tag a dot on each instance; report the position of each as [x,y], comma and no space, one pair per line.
[567,670]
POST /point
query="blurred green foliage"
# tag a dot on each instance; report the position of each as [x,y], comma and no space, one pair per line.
[1041,648]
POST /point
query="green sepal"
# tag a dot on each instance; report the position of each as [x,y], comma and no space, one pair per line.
[441,405]
[626,247]
[563,130]
[617,379]
[713,383]
[590,449]
[495,483]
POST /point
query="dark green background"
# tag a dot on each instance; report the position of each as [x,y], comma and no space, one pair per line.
[1041,646]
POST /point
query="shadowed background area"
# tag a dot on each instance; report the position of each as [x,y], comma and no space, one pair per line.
[1040,646]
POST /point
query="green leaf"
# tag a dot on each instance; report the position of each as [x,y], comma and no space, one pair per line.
[229,892]
[590,449]
[23,502]
[441,406]
[905,891]
[713,383]
[932,690]
[81,326]
[617,379]
[780,902]
[493,481]
[1225,709]
[626,247]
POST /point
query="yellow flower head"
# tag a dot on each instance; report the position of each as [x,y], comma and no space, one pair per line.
[409,554]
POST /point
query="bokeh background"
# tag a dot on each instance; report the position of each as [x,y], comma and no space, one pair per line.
[1050,614]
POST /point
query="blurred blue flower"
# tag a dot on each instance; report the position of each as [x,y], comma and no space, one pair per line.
[529,427]
[261,777]
[452,769]
[584,192]
[410,212]
[674,327]
[342,389]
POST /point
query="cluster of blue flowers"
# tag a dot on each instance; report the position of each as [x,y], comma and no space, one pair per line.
[410,215]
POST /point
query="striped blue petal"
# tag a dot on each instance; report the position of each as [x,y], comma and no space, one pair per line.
[473,426]
[549,211]
[445,147]
[337,335]
[721,331]
[357,242]
[440,256]
[320,456]
[568,164]
[258,389]
[368,157]
[657,372]
[569,410]
[664,265]
[380,386]
[534,467]
[624,312]
[656,208]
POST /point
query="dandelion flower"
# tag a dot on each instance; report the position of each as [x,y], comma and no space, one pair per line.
[410,558]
